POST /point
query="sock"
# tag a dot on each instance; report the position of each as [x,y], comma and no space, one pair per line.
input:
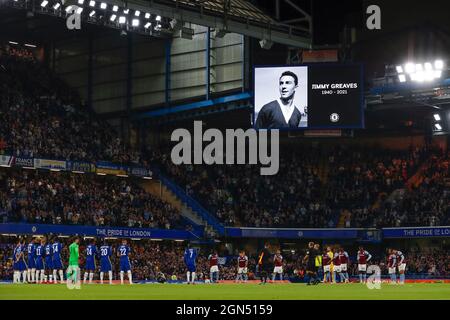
[15,277]
[121,277]
[101,277]
[54,276]
[211,276]
[110,277]
[61,276]
[91,277]
[50,276]
[364,277]
[245,277]
[274,276]
[29,275]
[360,278]
[24,275]
[281,277]
[86,274]
[334,276]
[188,275]
[193,277]
[42,275]
[130,277]
[33,275]
[402,278]
[347,277]
[394,277]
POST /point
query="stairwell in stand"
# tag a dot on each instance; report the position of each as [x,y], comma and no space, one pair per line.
[158,189]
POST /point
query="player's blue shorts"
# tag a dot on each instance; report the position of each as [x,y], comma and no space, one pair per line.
[39,264]
[31,263]
[90,264]
[191,267]
[48,263]
[125,264]
[19,265]
[57,264]
[105,265]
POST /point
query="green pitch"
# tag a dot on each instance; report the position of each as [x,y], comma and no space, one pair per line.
[226,292]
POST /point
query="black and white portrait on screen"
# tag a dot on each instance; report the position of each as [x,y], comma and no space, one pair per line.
[281,95]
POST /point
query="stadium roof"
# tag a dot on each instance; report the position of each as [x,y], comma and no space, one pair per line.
[240,9]
[238,16]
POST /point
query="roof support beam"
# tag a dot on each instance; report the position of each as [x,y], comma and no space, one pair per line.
[274,32]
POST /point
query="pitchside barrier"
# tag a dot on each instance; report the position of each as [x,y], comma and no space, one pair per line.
[362,235]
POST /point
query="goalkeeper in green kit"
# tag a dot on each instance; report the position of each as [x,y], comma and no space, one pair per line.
[73,271]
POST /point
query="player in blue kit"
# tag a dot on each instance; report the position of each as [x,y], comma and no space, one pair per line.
[89,268]
[190,257]
[105,262]
[40,269]
[123,253]
[56,261]
[19,265]
[48,252]
[31,251]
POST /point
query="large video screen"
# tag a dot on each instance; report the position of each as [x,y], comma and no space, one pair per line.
[317,96]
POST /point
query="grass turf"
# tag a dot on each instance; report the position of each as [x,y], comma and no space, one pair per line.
[422,291]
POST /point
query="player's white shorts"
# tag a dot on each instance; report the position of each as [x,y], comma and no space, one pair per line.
[242,270]
[391,270]
[337,268]
[402,267]
[362,267]
[278,270]
[326,268]
[214,269]
[343,267]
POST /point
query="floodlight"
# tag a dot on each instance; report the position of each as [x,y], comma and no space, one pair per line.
[439,64]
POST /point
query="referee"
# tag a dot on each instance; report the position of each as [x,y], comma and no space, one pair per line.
[310,260]
[264,263]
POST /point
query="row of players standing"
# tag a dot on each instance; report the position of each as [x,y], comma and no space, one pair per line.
[43,261]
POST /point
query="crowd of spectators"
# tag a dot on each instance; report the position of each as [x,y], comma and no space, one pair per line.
[81,199]
[40,116]
[358,177]
[427,204]
[239,195]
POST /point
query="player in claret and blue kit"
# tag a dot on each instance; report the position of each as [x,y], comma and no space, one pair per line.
[56,261]
[105,262]
[89,268]
[125,265]
[31,251]
[190,258]
[392,263]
